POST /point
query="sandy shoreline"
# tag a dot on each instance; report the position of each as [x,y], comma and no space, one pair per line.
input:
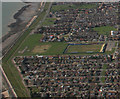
[22,17]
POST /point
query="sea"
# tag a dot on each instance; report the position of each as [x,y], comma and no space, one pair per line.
[8,11]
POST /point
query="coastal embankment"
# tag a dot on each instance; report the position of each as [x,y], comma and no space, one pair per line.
[15,24]
[22,17]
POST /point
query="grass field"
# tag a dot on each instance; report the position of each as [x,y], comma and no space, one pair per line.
[84,48]
[34,46]
[33,41]
[9,68]
[48,22]
[41,49]
[104,30]
[103,73]
[72,6]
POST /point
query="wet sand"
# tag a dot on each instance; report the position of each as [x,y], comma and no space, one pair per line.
[22,17]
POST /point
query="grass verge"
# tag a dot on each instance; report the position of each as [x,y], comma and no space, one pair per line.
[48,22]
[103,73]
[9,68]
[104,30]
[72,6]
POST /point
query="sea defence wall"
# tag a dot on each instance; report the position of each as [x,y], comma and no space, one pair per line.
[18,28]
[12,25]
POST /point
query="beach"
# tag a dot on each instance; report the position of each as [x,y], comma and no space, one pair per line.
[22,17]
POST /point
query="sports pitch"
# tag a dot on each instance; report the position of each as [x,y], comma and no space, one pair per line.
[83,48]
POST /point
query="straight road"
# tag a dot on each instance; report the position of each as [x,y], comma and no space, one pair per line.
[11,90]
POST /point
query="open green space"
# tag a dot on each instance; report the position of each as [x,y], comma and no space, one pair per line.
[48,22]
[84,48]
[104,30]
[103,79]
[103,73]
[9,68]
[72,6]
[32,41]
[33,46]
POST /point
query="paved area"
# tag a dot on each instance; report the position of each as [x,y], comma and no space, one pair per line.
[110,45]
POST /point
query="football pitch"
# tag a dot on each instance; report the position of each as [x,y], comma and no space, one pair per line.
[83,48]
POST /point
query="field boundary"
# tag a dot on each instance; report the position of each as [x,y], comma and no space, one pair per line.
[86,52]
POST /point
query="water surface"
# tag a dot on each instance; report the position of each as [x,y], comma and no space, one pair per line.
[8,10]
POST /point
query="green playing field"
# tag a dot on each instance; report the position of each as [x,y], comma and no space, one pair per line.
[84,48]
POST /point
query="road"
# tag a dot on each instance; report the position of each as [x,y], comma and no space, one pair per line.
[12,92]
[43,18]
[28,35]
